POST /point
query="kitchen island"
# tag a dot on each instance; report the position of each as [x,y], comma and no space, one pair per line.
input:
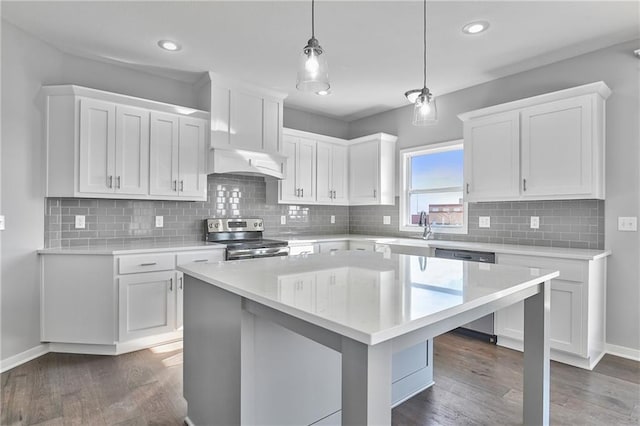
[375,306]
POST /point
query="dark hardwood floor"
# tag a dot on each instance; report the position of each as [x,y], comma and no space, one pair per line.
[476,384]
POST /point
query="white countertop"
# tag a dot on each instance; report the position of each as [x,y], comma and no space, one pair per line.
[564,253]
[133,248]
[367,296]
[138,247]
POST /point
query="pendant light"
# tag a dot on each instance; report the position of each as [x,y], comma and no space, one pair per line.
[313,70]
[424,111]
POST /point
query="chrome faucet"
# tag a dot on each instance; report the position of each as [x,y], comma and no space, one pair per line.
[424,222]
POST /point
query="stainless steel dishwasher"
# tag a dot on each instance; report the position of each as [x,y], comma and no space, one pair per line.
[482,328]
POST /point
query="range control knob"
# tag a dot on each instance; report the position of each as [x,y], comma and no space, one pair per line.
[259,223]
[255,224]
[217,224]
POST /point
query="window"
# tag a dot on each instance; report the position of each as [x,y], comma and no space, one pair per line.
[432,182]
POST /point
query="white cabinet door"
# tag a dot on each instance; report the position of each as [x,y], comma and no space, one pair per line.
[132,151]
[324,176]
[97,146]
[289,186]
[492,157]
[163,165]
[192,177]
[306,169]
[179,300]
[147,304]
[339,173]
[272,122]
[557,148]
[246,120]
[364,160]
[566,317]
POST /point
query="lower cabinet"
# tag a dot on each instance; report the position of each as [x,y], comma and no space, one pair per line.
[577,322]
[147,304]
[110,304]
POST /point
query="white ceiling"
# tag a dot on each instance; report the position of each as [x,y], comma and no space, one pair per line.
[374,47]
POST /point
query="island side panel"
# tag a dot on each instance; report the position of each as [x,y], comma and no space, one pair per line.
[366,383]
[212,354]
[536,357]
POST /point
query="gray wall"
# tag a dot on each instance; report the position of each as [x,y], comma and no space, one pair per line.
[617,67]
[126,221]
[27,64]
[308,122]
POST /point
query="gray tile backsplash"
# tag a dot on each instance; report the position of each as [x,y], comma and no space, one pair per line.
[563,223]
[575,223]
[120,221]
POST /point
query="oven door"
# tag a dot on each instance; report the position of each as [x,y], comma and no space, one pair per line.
[239,254]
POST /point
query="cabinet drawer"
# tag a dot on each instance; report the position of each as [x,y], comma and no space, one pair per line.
[199,257]
[146,263]
[333,246]
[570,270]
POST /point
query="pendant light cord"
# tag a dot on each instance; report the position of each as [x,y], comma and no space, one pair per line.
[424,81]
[313,35]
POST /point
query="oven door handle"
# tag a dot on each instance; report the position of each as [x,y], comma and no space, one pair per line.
[256,252]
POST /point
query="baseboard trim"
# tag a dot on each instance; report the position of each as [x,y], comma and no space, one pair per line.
[623,352]
[22,357]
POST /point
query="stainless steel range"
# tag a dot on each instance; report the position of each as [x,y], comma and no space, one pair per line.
[243,237]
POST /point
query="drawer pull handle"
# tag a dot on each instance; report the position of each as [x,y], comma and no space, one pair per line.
[149,264]
[201,260]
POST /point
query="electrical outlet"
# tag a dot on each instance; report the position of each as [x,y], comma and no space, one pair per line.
[628,223]
[333,219]
[535,222]
[80,221]
[2,222]
[283,220]
[159,221]
[484,222]
[386,220]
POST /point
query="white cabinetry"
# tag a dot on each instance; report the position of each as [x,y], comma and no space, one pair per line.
[300,184]
[372,170]
[332,173]
[545,147]
[177,160]
[110,304]
[102,145]
[577,320]
[114,148]
[244,116]
[331,246]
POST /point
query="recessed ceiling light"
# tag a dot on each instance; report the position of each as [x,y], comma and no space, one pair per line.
[323,92]
[169,45]
[475,27]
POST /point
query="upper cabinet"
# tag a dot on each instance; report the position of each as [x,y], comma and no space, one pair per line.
[244,116]
[326,170]
[105,145]
[332,173]
[177,160]
[245,119]
[541,148]
[372,170]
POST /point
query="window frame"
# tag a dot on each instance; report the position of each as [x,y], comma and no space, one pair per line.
[405,179]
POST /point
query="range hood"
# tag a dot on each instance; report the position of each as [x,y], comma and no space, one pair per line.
[244,162]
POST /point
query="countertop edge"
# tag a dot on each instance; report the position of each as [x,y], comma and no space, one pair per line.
[112,251]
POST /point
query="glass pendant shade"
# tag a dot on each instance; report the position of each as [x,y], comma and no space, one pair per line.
[313,70]
[425,111]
